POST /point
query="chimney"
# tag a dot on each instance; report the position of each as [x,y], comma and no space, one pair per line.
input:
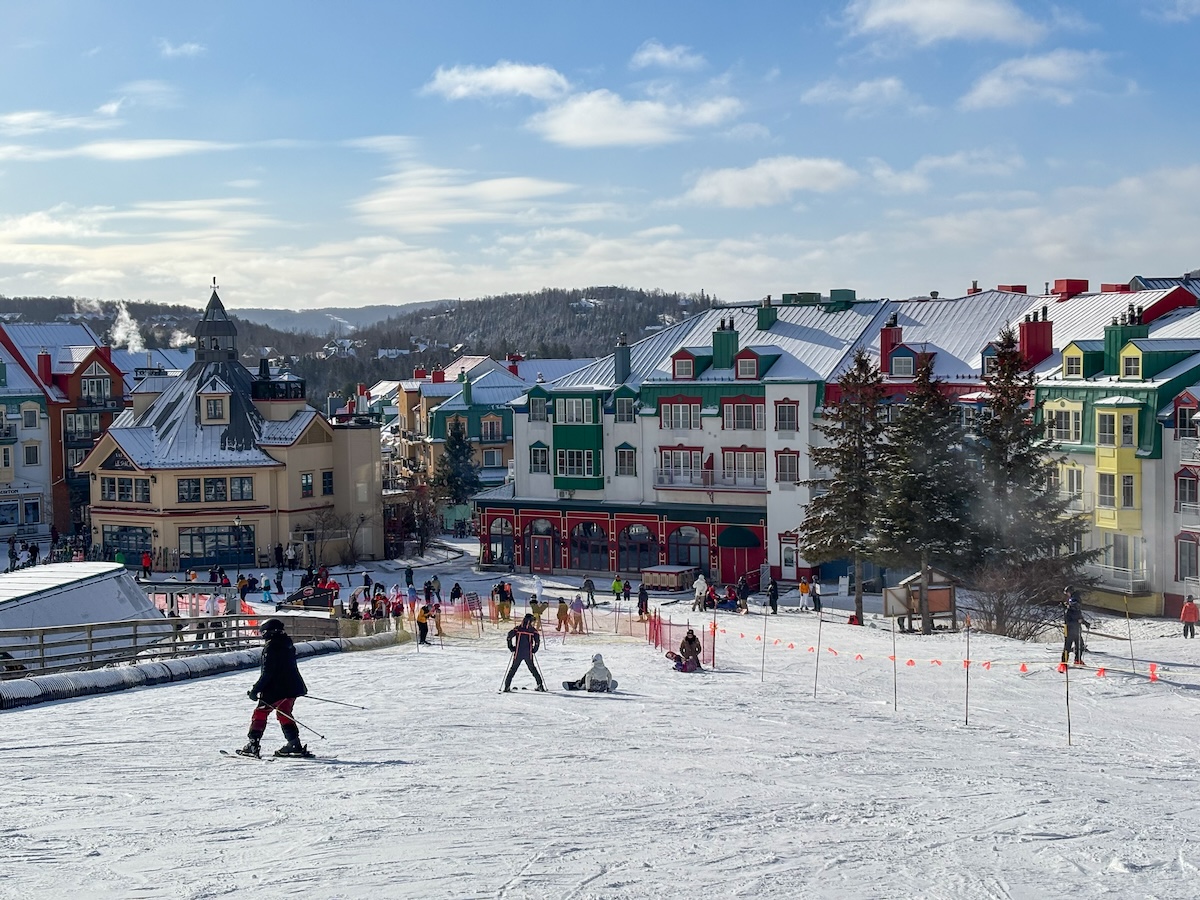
[1013,288]
[1066,288]
[3,373]
[767,314]
[890,336]
[1036,338]
[974,289]
[513,359]
[105,353]
[725,345]
[933,295]
[1108,288]
[621,361]
[264,370]
[419,373]
[466,386]
[43,366]
[362,400]
[438,377]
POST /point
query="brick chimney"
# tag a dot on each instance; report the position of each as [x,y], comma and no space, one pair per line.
[105,353]
[419,373]
[1036,338]
[890,335]
[1115,289]
[974,288]
[439,376]
[1013,288]
[1066,288]
[43,366]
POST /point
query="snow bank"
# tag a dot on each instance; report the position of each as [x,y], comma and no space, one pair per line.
[68,685]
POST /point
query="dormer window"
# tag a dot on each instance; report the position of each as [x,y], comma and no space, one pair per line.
[1131,367]
[747,368]
[215,408]
[685,368]
[990,365]
[1185,422]
[1073,366]
[902,366]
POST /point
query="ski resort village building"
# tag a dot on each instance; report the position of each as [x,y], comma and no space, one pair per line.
[219,464]
[690,447]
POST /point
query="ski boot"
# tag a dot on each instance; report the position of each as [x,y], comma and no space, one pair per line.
[252,749]
[541,687]
[294,748]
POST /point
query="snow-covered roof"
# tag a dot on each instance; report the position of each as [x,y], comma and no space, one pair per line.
[552,369]
[31,339]
[494,388]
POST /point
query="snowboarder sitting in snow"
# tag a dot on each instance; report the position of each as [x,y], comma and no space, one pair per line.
[279,684]
[1073,620]
[689,650]
[524,641]
[597,679]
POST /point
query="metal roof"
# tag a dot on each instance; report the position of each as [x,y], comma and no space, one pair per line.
[495,388]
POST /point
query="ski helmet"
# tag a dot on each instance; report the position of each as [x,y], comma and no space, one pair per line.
[270,627]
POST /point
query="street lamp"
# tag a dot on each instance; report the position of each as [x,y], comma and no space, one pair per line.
[237,524]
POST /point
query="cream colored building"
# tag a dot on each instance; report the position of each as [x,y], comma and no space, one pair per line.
[220,465]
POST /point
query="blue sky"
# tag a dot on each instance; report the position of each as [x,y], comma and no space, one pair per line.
[312,154]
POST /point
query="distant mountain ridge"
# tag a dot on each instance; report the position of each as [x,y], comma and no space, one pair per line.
[321,322]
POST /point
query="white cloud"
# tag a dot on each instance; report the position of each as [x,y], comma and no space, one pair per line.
[503,79]
[174,51]
[863,98]
[652,53]
[149,93]
[387,144]
[39,121]
[930,21]
[424,198]
[604,119]
[1058,76]
[769,182]
[117,151]
[1173,10]
[917,179]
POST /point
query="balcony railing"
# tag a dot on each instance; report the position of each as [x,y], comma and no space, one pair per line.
[1189,450]
[89,402]
[81,437]
[1122,579]
[8,432]
[1189,515]
[1077,503]
[709,479]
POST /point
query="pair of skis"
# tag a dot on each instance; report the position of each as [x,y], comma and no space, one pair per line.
[235,754]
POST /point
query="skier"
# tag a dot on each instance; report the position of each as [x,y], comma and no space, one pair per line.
[617,587]
[1188,617]
[279,684]
[597,679]
[563,621]
[1073,619]
[699,591]
[804,591]
[577,615]
[773,595]
[436,584]
[689,649]
[524,641]
[423,625]
[643,603]
[816,595]
[626,590]
[408,576]
[589,588]
[456,592]
[265,584]
[437,618]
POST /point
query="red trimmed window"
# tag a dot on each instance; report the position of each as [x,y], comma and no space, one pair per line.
[787,415]
[744,414]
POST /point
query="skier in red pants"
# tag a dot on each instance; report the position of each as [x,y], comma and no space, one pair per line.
[279,684]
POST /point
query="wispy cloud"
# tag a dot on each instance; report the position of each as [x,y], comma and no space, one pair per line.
[501,80]
[116,151]
[39,121]
[1173,10]
[150,93]
[930,21]
[769,182]
[605,119]
[652,53]
[425,198]
[1058,76]
[917,179]
[387,144]
[863,98]
[174,51]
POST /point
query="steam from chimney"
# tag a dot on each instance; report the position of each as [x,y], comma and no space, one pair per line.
[125,331]
[180,339]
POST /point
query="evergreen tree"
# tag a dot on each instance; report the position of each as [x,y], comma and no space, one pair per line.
[456,475]
[838,523]
[924,515]
[1031,543]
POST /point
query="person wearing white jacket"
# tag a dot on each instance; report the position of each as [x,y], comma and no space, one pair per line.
[597,679]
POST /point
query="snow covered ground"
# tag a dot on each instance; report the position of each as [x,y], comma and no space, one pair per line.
[735,783]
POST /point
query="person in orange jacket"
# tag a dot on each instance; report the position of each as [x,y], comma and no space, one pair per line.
[1188,616]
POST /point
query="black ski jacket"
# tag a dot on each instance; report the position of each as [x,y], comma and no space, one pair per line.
[279,676]
[524,641]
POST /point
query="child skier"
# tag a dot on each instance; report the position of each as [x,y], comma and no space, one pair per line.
[279,684]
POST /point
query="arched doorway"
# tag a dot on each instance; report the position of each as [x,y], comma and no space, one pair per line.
[589,547]
[686,546]
[637,548]
[500,542]
[739,552]
[543,543]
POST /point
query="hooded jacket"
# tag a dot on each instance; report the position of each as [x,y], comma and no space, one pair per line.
[598,673]
[279,676]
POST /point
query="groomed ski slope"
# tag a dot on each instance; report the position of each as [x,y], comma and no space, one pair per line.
[699,786]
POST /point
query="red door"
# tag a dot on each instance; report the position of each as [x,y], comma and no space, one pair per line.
[541,550]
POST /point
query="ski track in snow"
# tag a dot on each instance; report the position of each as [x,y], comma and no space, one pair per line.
[707,785]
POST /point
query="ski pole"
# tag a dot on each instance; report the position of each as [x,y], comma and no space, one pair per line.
[288,715]
[338,702]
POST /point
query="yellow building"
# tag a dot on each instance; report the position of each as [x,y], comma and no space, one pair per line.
[222,466]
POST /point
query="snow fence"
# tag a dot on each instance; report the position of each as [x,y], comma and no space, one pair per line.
[68,685]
